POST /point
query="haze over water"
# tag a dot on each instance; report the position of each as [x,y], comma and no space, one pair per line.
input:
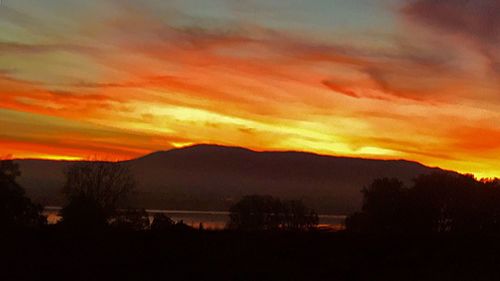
[215,220]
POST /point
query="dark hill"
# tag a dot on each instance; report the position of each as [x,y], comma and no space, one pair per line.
[209,177]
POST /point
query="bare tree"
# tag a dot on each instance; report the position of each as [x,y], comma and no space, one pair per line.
[102,185]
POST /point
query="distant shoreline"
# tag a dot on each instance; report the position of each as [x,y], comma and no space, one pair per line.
[193,212]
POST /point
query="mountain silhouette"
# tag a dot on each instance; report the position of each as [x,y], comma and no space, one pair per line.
[211,177]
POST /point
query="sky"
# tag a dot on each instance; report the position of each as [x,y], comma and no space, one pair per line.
[385,79]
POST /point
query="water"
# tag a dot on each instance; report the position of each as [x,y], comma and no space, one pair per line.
[209,219]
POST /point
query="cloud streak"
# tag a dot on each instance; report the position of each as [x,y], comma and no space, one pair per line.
[161,74]
[476,22]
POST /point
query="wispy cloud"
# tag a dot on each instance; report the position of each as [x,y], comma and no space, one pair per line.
[14,47]
[476,22]
[158,73]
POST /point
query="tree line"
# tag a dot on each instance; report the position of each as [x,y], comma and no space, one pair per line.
[441,202]
[97,194]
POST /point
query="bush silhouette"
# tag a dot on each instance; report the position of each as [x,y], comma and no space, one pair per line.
[84,213]
[16,210]
[257,213]
[131,219]
[162,223]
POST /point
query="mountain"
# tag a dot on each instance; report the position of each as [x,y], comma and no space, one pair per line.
[210,177]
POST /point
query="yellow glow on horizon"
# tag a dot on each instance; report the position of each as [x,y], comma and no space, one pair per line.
[50,157]
[181,144]
[369,153]
[122,83]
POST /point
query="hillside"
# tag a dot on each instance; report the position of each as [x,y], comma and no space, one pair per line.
[208,177]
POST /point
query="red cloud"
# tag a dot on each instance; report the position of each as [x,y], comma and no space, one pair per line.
[477,21]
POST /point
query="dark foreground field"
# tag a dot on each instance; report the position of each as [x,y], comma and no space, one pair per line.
[51,254]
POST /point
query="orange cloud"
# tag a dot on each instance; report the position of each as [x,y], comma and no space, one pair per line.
[150,82]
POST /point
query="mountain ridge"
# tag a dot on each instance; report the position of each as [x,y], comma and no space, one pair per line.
[212,177]
[244,149]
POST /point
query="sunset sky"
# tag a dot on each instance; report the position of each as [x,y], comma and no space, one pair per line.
[385,79]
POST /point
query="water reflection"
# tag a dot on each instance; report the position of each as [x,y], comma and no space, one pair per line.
[209,219]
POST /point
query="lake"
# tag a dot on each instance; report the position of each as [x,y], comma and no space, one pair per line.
[209,219]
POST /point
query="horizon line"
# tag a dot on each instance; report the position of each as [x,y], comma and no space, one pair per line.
[64,158]
[61,158]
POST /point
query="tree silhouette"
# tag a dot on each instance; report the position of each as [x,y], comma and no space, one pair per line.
[16,210]
[444,202]
[93,191]
[436,203]
[489,207]
[257,213]
[384,206]
[296,216]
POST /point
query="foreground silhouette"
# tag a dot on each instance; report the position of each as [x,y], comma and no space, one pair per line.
[443,227]
[16,210]
[114,254]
